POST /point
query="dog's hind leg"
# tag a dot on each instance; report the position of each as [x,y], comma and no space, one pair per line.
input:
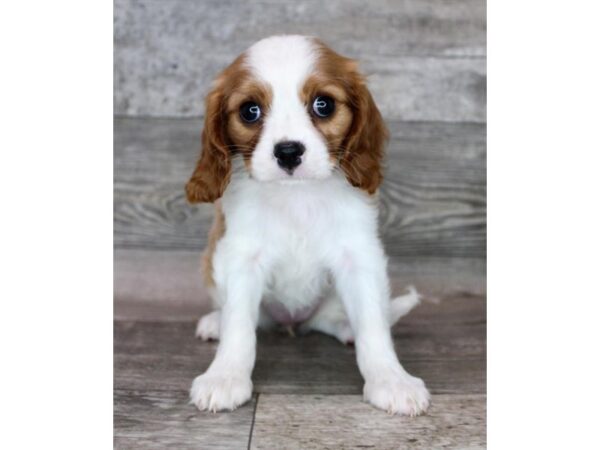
[207,328]
[403,304]
[331,317]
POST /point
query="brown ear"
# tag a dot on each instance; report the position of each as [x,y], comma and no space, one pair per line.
[364,145]
[213,169]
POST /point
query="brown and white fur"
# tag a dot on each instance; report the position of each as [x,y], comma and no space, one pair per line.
[296,243]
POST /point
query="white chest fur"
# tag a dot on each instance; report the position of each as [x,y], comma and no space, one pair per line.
[291,235]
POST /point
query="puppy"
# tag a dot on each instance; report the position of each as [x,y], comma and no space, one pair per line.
[291,156]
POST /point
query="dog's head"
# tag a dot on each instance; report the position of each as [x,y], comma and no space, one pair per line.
[294,110]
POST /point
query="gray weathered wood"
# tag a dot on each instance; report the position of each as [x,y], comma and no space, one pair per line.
[164,419]
[428,89]
[155,362]
[425,59]
[455,328]
[444,344]
[432,202]
[334,371]
[339,422]
[166,284]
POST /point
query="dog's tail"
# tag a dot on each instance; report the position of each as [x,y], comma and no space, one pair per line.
[402,305]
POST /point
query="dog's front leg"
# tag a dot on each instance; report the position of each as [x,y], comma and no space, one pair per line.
[362,283]
[227,383]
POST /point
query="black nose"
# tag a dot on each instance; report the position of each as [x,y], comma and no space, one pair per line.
[288,155]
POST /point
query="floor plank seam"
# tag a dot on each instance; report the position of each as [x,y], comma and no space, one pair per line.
[253,420]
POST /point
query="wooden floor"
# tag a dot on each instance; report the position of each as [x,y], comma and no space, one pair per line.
[307,389]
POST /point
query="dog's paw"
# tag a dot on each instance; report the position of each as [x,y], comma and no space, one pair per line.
[219,392]
[398,394]
[208,326]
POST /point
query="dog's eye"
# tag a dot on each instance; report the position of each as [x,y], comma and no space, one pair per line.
[323,106]
[250,112]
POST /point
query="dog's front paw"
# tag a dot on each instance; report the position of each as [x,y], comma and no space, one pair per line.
[398,394]
[220,392]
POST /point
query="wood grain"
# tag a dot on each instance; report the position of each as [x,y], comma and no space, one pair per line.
[426,67]
[426,59]
[153,285]
[341,422]
[165,419]
[448,353]
[433,200]
[308,388]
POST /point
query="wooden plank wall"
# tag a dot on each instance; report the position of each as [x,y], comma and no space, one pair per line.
[432,201]
[426,67]
[425,58]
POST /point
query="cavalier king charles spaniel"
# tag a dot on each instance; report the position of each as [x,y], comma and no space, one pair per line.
[291,156]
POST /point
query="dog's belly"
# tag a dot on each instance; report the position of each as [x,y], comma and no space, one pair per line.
[297,288]
[280,313]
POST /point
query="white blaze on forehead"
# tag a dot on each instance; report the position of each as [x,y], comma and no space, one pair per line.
[283,61]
